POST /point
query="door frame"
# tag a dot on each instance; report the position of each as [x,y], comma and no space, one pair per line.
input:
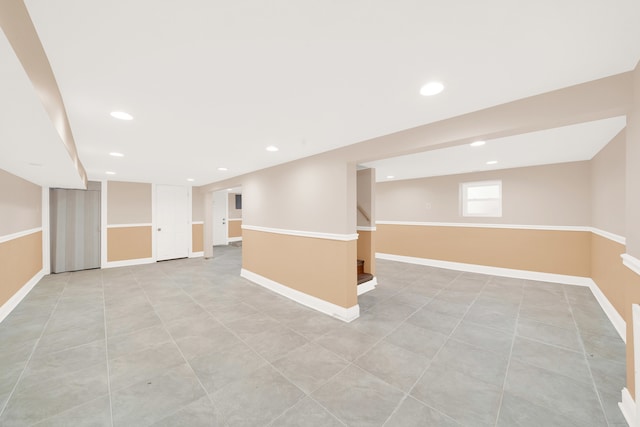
[225,223]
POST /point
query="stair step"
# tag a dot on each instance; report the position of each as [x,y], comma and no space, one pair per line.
[360,262]
[364,277]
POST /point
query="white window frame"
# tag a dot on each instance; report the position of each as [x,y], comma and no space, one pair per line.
[464,201]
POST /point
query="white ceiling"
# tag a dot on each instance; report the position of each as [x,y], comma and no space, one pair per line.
[564,144]
[212,83]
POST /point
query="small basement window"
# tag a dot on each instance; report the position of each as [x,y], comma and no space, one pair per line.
[483,198]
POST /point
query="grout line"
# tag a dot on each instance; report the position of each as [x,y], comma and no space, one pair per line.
[33,350]
[584,353]
[106,347]
[513,342]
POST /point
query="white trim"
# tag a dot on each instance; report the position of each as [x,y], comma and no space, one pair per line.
[631,262]
[614,317]
[234,239]
[628,408]
[367,286]
[362,228]
[146,224]
[129,262]
[46,232]
[494,271]
[614,237]
[298,233]
[478,225]
[341,313]
[197,222]
[103,223]
[635,322]
[234,219]
[19,234]
[13,302]
[154,223]
[196,254]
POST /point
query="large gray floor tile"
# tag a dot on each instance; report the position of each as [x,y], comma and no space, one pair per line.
[468,400]
[256,399]
[139,340]
[426,318]
[518,412]
[307,412]
[96,413]
[555,359]
[198,344]
[153,399]
[412,413]
[310,366]
[358,398]
[605,347]
[494,340]
[223,366]
[418,340]
[275,343]
[573,399]
[200,413]
[252,325]
[563,337]
[394,365]
[47,398]
[561,318]
[135,367]
[473,361]
[347,342]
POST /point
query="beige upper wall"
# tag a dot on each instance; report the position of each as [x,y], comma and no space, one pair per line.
[366,197]
[233,212]
[20,204]
[317,193]
[538,195]
[608,187]
[633,170]
[197,204]
[128,203]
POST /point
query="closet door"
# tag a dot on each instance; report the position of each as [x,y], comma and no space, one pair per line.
[173,225]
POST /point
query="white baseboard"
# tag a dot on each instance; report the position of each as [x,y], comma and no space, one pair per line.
[494,271]
[628,408]
[196,254]
[614,317]
[129,262]
[344,314]
[234,239]
[13,302]
[365,287]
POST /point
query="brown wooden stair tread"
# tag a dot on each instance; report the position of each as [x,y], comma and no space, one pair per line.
[364,277]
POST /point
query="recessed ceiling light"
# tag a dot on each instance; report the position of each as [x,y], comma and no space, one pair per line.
[477,143]
[121,115]
[223,169]
[390,176]
[431,88]
[114,154]
[229,189]
[272,148]
[492,162]
[110,173]
[190,179]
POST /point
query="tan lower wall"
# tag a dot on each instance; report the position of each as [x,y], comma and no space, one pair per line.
[20,260]
[548,251]
[235,228]
[608,271]
[127,243]
[631,296]
[323,268]
[197,237]
[367,251]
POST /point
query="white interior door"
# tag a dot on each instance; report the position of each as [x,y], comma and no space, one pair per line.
[220,209]
[172,220]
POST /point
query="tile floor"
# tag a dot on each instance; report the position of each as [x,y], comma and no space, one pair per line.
[190,343]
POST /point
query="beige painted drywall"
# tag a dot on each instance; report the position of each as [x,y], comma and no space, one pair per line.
[539,195]
[366,195]
[128,203]
[233,212]
[197,204]
[128,243]
[633,170]
[608,187]
[196,237]
[20,260]
[20,204]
